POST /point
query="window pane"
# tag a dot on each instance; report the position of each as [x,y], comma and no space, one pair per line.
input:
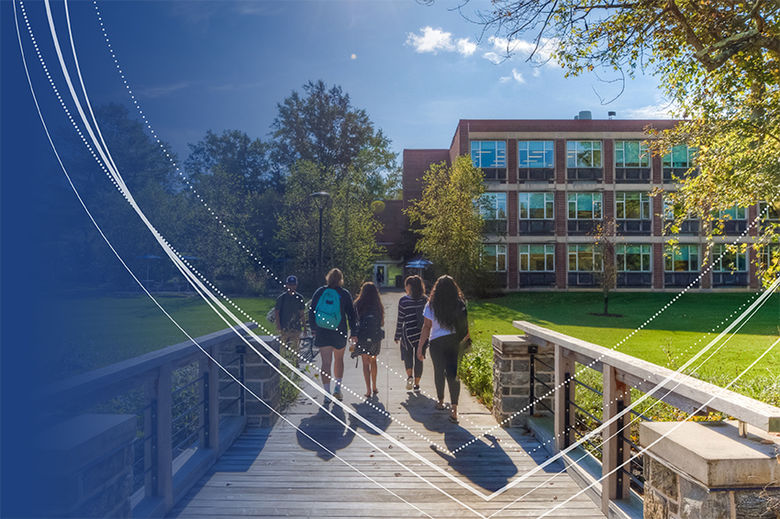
[523,205]
[584,206]
[596,157]
[680,156]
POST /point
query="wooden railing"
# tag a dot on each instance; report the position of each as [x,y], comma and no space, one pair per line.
[189,411]
[621,372]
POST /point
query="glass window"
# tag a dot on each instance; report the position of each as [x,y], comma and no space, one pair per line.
[488,154]
[769,253]
[584,206]
[681,258]
[681,156]
[537,258]
[536,154]
[632,205]
[536,206]
[725,260]
[493,206]
[733,213]
[632,258]
[583,154]
[584,257]
[495,257]
[768,212]
[631,154]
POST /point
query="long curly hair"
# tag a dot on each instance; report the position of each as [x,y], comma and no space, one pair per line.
[445,299]
[369,298]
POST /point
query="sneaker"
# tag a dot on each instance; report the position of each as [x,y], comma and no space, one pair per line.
[417,388]
[409,383]
[337,395]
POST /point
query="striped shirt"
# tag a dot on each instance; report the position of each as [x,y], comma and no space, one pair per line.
[408,326]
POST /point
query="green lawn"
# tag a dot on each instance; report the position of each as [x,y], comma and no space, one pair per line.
[675,331]
[98,331]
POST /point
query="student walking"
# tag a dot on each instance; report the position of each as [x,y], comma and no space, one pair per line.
[408,328]
[289,314]
[368,339]
[330,313]
[447,326]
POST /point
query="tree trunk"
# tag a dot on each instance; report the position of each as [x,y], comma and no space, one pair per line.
[606,303]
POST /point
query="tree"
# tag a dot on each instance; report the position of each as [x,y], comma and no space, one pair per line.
[322,127]
[450,224]
[234,175]
[326,144]
[718,62]
[604,234]
[349,226]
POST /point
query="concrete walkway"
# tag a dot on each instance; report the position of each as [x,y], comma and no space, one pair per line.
[283,473]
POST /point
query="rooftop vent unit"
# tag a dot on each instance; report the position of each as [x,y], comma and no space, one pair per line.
[611,114]
[584,115]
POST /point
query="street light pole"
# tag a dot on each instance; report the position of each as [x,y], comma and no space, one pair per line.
[320,198]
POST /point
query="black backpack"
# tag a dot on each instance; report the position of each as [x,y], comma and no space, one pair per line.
[370,327]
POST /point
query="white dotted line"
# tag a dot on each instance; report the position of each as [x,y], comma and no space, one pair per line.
[269,272]
[193,189]
[116,185]
[656,314]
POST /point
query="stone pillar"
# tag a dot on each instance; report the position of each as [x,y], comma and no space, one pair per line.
[512,379]
[263,380]
[700,470]
[89,471]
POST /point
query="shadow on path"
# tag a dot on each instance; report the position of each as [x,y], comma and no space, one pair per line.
[335,436]
[486,465]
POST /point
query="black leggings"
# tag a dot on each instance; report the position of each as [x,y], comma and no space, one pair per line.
[444,354]
[409,355]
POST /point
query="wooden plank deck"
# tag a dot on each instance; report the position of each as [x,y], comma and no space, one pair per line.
[282,473]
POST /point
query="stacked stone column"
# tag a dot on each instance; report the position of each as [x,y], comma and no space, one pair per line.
[512,379]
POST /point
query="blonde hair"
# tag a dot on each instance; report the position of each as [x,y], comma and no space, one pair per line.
[334,278]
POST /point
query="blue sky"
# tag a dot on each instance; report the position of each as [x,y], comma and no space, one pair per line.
[416,69]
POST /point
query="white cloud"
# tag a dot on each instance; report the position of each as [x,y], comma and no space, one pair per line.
[660,110]
[504,49]
[466,47]
[434,40]
[537,72]
[517,76]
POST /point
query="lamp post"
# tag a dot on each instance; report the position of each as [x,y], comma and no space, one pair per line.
[320,199]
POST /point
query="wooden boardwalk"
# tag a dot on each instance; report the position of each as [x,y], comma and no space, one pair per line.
[282,473]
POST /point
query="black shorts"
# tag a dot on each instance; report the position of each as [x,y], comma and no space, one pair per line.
[324,337]
[368,347]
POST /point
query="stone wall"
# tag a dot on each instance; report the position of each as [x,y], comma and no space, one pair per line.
[89,467]
[709,471]
[512,378]
[670,495]
[259,377]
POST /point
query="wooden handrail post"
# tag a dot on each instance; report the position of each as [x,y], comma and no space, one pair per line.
[614,450]
[564,414]
[213,400]
[164,466]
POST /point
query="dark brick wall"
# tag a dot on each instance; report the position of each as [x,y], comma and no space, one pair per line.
[415,163]
[609,161]
[561,262]
[560,160]
[658,265]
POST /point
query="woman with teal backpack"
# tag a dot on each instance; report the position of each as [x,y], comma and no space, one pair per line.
[330,312]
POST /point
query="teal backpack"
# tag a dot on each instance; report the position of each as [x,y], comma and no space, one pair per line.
[328,309]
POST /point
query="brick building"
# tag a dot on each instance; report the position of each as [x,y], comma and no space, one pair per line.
[550,181]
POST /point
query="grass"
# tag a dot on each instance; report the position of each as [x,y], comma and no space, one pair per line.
[98,331]
[669,340]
